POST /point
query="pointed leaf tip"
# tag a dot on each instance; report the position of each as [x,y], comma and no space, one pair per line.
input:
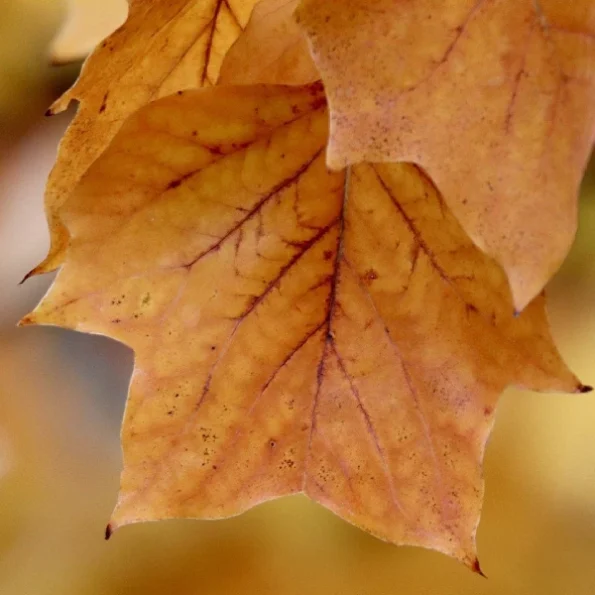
[26,320]
[585,388]
[108,531]
[27,276]
[477,568]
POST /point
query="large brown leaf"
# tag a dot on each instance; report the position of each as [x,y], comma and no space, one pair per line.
[295,330]
[494,98]
[164,46]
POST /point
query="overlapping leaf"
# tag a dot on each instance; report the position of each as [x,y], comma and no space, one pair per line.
[164,46]
[272,49]
[495,99]
[295,330]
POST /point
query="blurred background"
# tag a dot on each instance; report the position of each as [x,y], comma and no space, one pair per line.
[62,396]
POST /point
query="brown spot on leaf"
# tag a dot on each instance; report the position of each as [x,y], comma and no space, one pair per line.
[369,276]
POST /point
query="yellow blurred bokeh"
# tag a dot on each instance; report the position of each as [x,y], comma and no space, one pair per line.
[62,395]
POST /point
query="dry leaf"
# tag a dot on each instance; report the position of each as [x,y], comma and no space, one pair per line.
[164,46]
[495,99]
[272,49]
[87,23]
[295,330]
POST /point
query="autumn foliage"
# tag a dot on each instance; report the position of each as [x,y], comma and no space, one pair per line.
[327,310]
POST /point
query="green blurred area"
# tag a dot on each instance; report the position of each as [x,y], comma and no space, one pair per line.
[62,395]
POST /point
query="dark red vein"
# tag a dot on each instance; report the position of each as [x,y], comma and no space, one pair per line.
[274,283]
[256,209]
[209,43]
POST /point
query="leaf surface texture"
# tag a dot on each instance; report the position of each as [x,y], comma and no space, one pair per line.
[295,330]
[495,99]
[164,46]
